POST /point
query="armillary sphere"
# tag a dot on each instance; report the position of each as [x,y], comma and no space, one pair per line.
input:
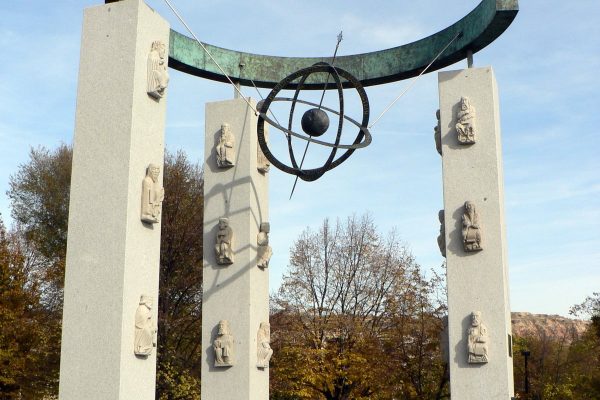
[315,122]
[462,39]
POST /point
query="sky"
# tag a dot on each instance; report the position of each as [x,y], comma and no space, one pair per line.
[546,65]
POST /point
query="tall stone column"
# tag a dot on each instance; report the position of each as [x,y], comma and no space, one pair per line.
[236,289]
[479,321]
[112,256]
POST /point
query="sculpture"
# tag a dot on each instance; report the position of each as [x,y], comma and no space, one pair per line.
[465,125]
[158,77]
[437,133]
[262,162]
[225,147]
[224,246]
[263,341]
[152,195]
[315,121]
[477,340]
[223,345]
[441,239]
[445,341]
[145,330]
[264,251]
[471,230]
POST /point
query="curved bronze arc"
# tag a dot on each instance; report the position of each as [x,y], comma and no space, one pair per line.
[477,29]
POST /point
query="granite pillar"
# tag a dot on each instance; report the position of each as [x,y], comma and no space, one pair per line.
[112,256]
[477,274]
[237,291]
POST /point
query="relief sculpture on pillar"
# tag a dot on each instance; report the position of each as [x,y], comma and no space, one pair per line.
[226,147]
[477,340]
[224,245]
[264,251]
[223,345]
[441,239]
[264,351]
[471,229]
[152,195]
[145,331]
[262,163]
[158,76]
[437,133]
[465,122]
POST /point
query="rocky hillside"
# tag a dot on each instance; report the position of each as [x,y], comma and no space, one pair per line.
[542,325]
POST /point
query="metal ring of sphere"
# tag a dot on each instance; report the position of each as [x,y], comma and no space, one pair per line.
[363,138]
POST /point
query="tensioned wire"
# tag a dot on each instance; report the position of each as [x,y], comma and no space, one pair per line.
[237,89]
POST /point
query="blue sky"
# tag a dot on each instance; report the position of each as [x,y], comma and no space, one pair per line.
[546,65]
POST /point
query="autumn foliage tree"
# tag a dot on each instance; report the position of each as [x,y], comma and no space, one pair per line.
[26,331]
[39,194]
[180,299]
[334,317]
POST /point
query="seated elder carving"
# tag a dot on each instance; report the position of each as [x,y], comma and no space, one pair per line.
[225,147]
[264,351]
[224,246]
[223,346]
[477,340]
[471,230]
[264,251]
[145,330]
[465,125]
[152,195]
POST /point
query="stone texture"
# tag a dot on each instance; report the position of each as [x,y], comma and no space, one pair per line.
[239,292]
[476,280]
[112,257]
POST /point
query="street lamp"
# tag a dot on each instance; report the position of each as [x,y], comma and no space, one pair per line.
[526,354]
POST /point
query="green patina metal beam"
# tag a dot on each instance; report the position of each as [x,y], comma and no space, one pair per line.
[477,29]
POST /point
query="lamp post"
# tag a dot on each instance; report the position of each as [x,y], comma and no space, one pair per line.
[526,354]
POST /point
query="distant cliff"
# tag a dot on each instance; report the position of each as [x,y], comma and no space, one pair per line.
[551,326]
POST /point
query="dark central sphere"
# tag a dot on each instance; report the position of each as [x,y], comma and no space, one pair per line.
[315,122]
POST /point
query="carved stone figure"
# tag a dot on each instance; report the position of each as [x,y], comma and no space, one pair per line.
[263,341]
[445,341]
[262,163]
[152,195]
[471,230]
[145,331]
[437,133]
[465,122]
[264,251]
[158,76]
[223,346]
[477,340]
[441,239]
[224,246]
[226,147]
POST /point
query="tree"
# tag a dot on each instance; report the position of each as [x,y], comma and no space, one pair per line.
[180,299]
[25,334]
[39,194]
[333,317]
[590,308]
[563,368]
